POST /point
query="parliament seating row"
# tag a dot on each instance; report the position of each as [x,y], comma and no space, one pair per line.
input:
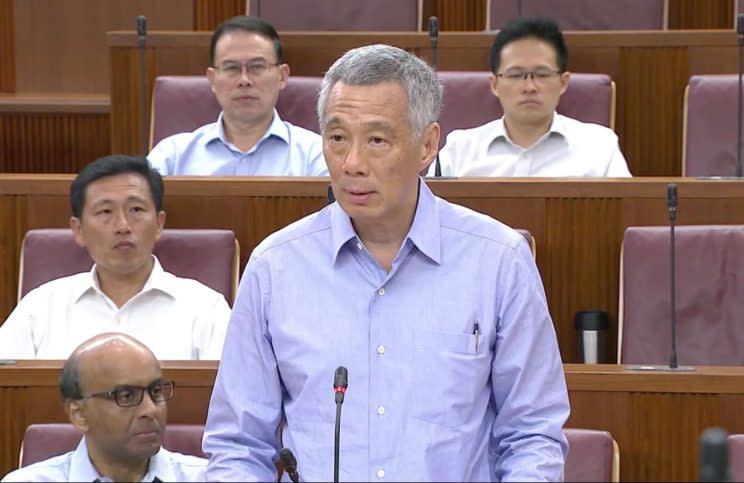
[594,454]
[183,103]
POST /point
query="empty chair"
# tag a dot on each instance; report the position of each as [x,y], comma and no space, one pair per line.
[469,102]
[709,295]
[585,14]
[709,126]
[43,441]
[318,15]
[592,456]
[209,256]
[185,103]
[736,456]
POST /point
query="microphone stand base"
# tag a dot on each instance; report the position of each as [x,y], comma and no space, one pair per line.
[659,368]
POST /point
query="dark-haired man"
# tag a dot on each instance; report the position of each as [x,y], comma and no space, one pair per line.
[529,62]
[115,394]
[117,215]
[246,74]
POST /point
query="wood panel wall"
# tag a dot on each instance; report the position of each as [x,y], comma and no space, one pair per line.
[209,13]
[455,15]
[7,47]
[694,14]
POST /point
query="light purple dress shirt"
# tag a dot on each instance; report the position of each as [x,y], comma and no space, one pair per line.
[285,150]
[424,401]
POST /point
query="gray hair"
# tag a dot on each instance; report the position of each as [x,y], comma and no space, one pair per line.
[374,64]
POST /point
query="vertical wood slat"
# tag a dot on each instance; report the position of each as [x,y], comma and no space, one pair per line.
[694,14]
[7,47]
[52,143]
[209,13]
[455,15]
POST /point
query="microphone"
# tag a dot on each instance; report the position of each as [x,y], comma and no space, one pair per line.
[433,37]
[289,463]
[740,41]
[142,33]
[672,208]
[340,382]
[714,455]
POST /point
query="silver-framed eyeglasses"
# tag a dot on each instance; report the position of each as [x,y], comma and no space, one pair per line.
[538,75]
[256,68]
[125,396]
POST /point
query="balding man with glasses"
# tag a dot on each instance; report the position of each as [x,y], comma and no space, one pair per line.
[114,392]
[529,74]
[246,73]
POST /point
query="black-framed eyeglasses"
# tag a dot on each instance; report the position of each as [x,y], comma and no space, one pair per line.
[539,75]
[126,396]
[254,69]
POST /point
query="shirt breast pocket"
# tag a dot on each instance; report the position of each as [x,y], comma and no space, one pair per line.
[450,378]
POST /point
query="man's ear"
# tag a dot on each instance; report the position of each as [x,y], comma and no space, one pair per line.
[429,145]
[76,413]
[75,225]
[161,224]
[493,81]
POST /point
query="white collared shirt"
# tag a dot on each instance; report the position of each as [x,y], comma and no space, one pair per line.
[177,318]
[569,148]
[76,466]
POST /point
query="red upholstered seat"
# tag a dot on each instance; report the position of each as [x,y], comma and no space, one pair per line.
[736,456]
[709,295]
[209,256]
[43,441]
[592,456]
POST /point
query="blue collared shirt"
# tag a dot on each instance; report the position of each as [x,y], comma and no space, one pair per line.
[425,400]
[76,466]
[284,150]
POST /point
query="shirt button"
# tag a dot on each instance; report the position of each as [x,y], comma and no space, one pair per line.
[381,410]
[380,473]
[360,246]
[380,349]
[381,291]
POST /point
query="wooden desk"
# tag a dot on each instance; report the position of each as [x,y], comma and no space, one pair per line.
[650,69]
[578,224]
[656,418]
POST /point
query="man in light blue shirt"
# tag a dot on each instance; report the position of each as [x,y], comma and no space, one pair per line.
[114,393]
[437,311]
[249,138]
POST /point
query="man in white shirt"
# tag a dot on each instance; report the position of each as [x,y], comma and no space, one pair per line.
[529,62]
[117,215]
[114,393]
[246,74]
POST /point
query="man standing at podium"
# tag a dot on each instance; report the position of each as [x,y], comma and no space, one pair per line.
[437,311]
[246,74]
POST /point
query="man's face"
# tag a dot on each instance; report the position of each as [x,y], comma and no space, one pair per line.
[245,77]
[119,224]
[124,434]
[372,157]
[532,100]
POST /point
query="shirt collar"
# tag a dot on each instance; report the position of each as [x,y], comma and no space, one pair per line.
[424,233]
[277,128]
[82,469]
[159,279]
[557,126]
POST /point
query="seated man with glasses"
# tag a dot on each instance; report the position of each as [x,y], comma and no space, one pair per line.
[249,137]
[114,393]
[529,62]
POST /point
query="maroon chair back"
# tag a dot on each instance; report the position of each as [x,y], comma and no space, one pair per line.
[182,103]
[709,295]
[736,456]
[44,441]
[710,126]
[585,14]
[319,15]
[209,256]
[591,455]
[469,102]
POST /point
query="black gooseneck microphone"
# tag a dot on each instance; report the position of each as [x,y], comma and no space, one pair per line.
[672,207]
[142,34]
[433,37]
[714,455]
[289,462]
[340,382]
[740,41]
